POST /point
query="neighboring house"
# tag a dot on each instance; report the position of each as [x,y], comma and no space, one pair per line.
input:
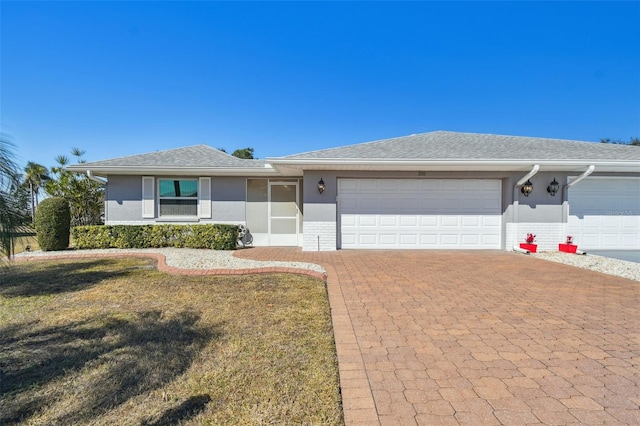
[441,190]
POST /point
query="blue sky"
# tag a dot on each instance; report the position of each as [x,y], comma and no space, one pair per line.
[122,78]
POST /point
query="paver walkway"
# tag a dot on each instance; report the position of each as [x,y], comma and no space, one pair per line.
[436,337]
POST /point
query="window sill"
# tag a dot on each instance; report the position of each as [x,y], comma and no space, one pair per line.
[178,219]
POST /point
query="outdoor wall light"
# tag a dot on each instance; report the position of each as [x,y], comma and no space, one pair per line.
[527,188]
[321,186]
[553,187]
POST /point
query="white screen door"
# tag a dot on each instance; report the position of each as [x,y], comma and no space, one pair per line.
[284,214]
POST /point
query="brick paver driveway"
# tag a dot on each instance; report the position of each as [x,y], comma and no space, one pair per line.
[431,337]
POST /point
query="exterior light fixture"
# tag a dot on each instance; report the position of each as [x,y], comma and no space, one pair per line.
[527,188]
[321,186]
[553,187]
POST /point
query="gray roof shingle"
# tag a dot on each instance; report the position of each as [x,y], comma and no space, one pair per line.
[441,145]
[192,156]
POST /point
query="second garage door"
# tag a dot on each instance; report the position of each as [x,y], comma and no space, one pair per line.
[604,213]
[420,213]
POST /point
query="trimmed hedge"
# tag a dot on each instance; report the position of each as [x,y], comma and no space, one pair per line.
[52,223]
[214,237]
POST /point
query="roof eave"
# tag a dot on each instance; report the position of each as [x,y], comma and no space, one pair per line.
[174,170]
[455,164]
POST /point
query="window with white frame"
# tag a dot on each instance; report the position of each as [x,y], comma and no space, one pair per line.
[178,197]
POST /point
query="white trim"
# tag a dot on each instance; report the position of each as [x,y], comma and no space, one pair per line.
[268,170]
[446,164]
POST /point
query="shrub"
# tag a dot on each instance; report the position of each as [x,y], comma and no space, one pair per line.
[89,237]
[215,237]
[52,223]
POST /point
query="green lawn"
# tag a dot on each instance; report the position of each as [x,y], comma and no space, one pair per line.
[114,341]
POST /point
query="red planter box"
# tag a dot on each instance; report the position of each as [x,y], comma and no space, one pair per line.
[567,248]
[531,247]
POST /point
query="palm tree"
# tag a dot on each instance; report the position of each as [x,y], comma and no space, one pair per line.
[35,175]
[11,216]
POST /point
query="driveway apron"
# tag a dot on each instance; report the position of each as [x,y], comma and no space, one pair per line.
[478,337]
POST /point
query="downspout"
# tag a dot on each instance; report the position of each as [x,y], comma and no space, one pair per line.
[95,178]
[565,192]
[587,172]
[516,203]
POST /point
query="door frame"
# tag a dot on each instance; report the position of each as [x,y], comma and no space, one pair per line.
[285,241]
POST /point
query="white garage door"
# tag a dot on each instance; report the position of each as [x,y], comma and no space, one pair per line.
[419,213]
[604,213]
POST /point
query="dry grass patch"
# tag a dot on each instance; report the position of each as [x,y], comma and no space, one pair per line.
[26,239]
[114,341]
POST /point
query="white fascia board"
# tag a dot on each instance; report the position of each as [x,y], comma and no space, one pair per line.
[439,164]
[175,171]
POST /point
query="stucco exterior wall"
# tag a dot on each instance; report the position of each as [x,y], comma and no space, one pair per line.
[228,198]
[123,201]
[540,213]
[319,228]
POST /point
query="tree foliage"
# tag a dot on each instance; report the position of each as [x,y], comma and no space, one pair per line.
[35,176]
[634,141]
[12,216]
[52,224]
[246,153]
[85,196]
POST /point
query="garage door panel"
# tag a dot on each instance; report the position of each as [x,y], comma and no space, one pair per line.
[448,240]
[429,240]
[428,185]
[409,239]
[348,239]
[367,204]
[348,220]
[604,213]
[367,239]
[470,239]
[419,213]
[367,220]
[471,221]
[347,185]
[388,239]
[349,205]
[491,221]
[428,221]
[388,221]
[408,205]
[408,221]
[367,185]
[610,222]
[449,221]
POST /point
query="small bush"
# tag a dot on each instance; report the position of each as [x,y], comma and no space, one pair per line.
[90,237]
[215,237]
[52,223]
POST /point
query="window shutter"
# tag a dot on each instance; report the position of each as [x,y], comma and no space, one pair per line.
[148,197]
[204,198]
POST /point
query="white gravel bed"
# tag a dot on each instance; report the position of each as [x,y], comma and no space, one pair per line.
[607,265]
[185,258]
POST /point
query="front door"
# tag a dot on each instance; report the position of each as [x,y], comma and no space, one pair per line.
[284,215]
